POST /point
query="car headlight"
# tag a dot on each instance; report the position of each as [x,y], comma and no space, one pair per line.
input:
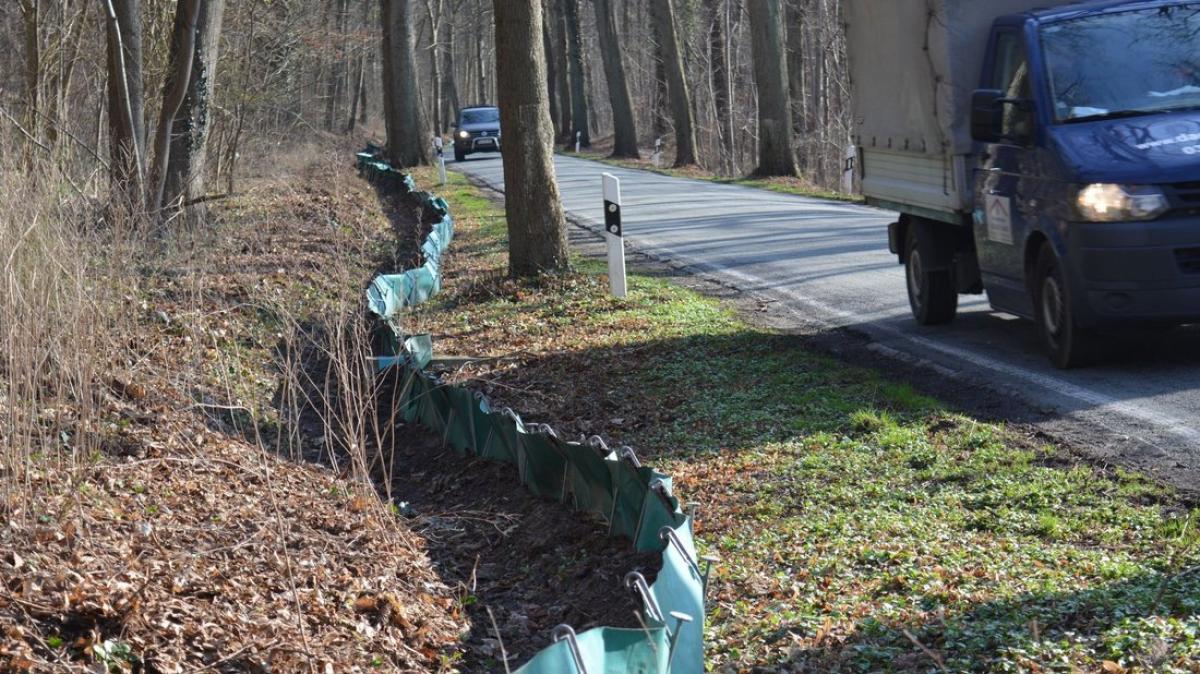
[1105,202]
[464,134]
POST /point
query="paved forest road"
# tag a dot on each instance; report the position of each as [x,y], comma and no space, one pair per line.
[828,263]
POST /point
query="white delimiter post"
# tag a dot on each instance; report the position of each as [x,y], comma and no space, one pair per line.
[578,137]
[614,235]
[441,157]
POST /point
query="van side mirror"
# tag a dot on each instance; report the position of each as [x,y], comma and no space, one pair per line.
[995,118]
[453,125]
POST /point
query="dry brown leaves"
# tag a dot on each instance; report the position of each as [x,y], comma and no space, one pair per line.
[186,546]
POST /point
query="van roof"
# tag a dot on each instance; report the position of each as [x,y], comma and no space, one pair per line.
[1084,7]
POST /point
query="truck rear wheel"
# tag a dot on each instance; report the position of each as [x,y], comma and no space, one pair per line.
[1068,345]
[931,294]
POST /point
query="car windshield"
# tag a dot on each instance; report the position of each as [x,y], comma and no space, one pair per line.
[481,116]
[1124,64]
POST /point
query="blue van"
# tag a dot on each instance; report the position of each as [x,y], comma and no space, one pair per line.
[1070,172]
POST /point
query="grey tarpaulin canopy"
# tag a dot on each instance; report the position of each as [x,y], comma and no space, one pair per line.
[925,96]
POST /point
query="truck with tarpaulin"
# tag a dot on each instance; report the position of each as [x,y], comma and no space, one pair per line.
[1044,153]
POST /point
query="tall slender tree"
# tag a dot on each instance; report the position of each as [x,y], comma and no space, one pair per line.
[189,133]
[537,232]
[126,99]
[407,132]
[558,54]
[624,129]
[775,154]
[681,103]
[579,106]
[183,49]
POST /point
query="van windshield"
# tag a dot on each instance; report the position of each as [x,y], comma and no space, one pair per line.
[481,116]
[1124,64]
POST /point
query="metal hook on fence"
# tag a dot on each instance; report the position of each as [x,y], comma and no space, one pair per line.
[634,580]
[659,487]
[668,535]
[566,633]
[626,452]
[597,443]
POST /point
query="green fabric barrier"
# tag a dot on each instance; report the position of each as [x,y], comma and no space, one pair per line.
[636,501]
[542,466]
[606,650]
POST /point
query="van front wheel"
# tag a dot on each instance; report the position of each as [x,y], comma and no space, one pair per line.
[931,294]
[1068,345]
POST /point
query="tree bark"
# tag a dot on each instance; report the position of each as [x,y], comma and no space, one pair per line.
[579,107]
[624,130]
[450,101]
[775,154]
[537,233]
[551,67]
[126,101]
[559,55]
[183,50]
[185,175]
[681,103]
[407,131]
[31,20]
[718,50]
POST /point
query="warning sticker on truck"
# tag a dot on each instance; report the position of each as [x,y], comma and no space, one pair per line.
[999,219]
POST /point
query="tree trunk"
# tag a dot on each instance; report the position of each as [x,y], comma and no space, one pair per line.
[189,134]
[126,101]
[559,55]
[660,98]
[551,67]
[775,154]
[718,51]
[624,131]
[681,104]
[481,81]
[579,108]
[450,102]
[183,50]
[357,94]
[407,132]
[537,232]
[31,20]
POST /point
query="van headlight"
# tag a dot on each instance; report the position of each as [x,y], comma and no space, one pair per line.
[464,134]
[1105,202]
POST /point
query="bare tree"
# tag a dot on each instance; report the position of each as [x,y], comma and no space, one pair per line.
[126,102]
[579,106]
[558,54]
[537,233]
[624,130]
[183,49]
[681,103]
[185,174]
[775,154]
[407,133]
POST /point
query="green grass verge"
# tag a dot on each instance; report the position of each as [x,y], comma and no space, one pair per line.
[861,526]
[784,185]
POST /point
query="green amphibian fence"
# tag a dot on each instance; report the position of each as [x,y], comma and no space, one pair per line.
[634,500]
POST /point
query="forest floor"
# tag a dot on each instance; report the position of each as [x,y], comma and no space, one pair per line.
[245,513]
[861,526]
[601,151]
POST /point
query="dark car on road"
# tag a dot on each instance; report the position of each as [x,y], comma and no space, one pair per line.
[477,130]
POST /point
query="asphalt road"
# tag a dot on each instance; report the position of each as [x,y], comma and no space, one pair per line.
[827,264]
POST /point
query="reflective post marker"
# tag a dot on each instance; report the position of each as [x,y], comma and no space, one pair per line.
[578,135]
[614,236]
[657,152]
[848,169]
[438,145]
